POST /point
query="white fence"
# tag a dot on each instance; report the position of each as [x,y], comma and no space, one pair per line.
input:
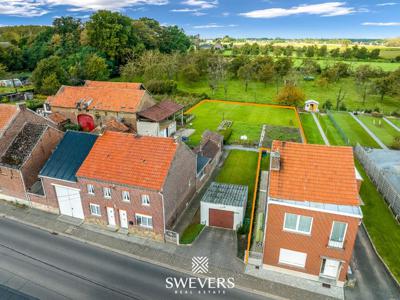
[379,178]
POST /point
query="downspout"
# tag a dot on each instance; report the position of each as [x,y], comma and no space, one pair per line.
[163,206]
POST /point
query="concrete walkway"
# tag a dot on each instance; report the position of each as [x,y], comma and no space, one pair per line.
[321,131]
[391,123]
[240,147]
[376,139]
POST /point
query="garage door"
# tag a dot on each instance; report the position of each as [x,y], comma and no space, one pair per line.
[220,218]
[69,201]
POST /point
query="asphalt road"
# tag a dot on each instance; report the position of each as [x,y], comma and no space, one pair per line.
[37,264]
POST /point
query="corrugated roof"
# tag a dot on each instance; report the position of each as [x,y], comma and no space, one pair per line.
[316,173]
[226,194]
[69,155]
[161,111]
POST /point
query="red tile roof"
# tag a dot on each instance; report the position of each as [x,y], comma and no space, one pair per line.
[140,161]
[7,112]
[57,118]
[161,111]
[103,98]
[120,85]
[115,125]
[315,173]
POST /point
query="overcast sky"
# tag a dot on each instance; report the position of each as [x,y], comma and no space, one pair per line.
[237,18]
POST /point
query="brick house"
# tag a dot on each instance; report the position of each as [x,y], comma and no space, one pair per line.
[313,211]
[26,142]
[138,184]
[97,102]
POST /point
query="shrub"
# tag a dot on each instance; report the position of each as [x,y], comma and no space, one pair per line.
[34,104]
[71,126]
[161,86]
[226,133]
[327,105]
[342,107]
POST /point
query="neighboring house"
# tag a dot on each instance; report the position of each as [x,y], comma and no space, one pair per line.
[313,211]
[138,184]
[58,176]
[208,153]
[23,158]
[160,119]
[97,102]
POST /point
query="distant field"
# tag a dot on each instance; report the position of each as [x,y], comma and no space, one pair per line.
[354,132]
[384,65]
[381,129]
[310,129]
[247,119]
[390,53]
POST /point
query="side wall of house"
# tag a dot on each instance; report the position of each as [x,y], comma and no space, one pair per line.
[180,184]
[132,208]
[39,155]
[315,244]
[11,184]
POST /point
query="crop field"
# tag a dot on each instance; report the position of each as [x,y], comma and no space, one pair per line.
[247,119]
[354,131]
[310,129]
[381,129]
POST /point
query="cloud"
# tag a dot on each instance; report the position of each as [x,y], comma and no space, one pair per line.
[387,4]
[213,25]
[199,13]
[202,4]
[184,10]
[328,9]
[381,23]
[34,8]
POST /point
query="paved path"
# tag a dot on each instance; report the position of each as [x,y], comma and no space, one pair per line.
[45,266]
[240,147]
[321,131]
[382,145]
[391,124]
[373,281]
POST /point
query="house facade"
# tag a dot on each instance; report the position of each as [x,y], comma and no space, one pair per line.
[312,213]
[97,102]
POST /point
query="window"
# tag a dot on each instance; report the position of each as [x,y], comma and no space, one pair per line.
[338,234]
[293,258]
[126,196]
[107,193]
[90,189]
[297,223]
[95,209]
[144,221]
[145,200]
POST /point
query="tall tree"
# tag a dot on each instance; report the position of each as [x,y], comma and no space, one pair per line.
[246,73]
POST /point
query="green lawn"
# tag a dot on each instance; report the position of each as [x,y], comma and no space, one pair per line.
[310,129]
[240,168]
[395,121]
[380,223]
[247,119]
[354,132]
[382,130]
[330,131]
[190,233]
[258,92]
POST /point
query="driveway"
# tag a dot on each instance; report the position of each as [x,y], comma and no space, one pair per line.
[373,281]
[219,245]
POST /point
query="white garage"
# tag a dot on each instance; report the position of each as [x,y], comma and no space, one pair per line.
[224,205]
[69,201]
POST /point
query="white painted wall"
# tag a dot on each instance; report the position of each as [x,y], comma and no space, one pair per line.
[237,216]
[147,128]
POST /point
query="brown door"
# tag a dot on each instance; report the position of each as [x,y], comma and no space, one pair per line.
[220,218]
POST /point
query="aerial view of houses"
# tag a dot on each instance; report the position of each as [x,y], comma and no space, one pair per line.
[140,159]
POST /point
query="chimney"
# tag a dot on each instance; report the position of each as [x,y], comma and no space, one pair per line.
[21,106]
[275,161]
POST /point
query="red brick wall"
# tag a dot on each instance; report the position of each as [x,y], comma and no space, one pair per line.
[11,183]
[314,245]
[155,209]
[50,192]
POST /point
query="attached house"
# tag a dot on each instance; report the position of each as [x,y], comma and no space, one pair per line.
[137,184]
[97,102]
[26,142]
[160,119]
[313,211]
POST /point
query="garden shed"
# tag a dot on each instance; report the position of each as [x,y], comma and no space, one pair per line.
[311,105]
[224,205]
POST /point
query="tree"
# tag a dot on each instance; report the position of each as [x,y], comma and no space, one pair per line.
[174,39]
[310,67]
[282,66]
[69,30]
[374,54]
[50,84]
[95,68]
[335,52]
[339,98]
[362,74]
[236,63]
[310,51]
[290,95]
[382,86]
[3,71]
[266,73]
[323,51]
[245,73]
[216,71]
[45,68]
[190,73]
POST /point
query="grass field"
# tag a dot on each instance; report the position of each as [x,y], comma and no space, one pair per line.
[381,129]
[247,119]
[240,168]
[190,233]
[260,93]
[395,121]
[384,65]
[354,132]
[330,131]
[380,223]
[310,129]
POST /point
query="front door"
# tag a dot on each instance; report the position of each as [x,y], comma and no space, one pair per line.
[330,267]
[123,219]
[111,216]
